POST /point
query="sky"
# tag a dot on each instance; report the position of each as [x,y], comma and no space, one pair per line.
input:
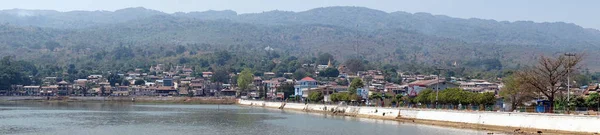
[581,12]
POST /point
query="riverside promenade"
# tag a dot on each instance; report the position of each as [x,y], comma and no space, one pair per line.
[501,121]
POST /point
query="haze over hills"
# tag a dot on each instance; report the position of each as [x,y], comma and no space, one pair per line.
[345,32]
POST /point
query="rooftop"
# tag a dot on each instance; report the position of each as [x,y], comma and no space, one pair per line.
[63,82]
[427,82]
[308,79]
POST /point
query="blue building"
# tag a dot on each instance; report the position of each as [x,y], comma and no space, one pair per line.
[304,85]
[363,92]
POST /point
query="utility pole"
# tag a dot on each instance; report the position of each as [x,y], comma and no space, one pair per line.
[569,55]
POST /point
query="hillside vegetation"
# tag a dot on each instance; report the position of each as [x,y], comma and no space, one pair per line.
[137,37]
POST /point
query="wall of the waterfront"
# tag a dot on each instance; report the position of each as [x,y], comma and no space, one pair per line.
[559,122]
[347,110]
[574,123]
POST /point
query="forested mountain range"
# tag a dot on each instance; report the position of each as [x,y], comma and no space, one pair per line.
[137,37]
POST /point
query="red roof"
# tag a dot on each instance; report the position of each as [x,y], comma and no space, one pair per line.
[308,79]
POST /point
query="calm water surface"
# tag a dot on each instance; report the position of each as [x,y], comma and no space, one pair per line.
[149,119]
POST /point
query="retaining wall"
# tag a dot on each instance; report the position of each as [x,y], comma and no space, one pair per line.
[379,112]
[273,104]
[571,123]
[295,106]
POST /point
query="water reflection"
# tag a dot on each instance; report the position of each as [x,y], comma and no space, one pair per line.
[130,118]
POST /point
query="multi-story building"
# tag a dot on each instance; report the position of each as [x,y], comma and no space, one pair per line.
[49,90]
[64,88]
[32,90]
[304,85]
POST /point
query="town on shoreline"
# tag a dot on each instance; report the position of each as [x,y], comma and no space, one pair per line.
[328,84]
[161,80]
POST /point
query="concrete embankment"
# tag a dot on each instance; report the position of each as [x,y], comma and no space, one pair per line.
[145,99]
[499,121]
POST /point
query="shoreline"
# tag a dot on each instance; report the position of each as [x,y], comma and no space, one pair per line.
[158,100]
[460,125]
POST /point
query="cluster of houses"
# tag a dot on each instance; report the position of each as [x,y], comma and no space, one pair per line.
[180,81]
[375,82]
[176,81]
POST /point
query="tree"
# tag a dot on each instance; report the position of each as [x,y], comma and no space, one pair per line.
[515,92]
[287,89]
[342,96]
[183,60]
[102,90]
[190,90]
[170,53]
[334,97]
[345,96]
[467,98]
[244,80]
[14,73]
[139,82]
[398,98]
[113,79]
[380,97]
[299,74]
[262,89]
[424,95]
[486,98]
[593,100]
[355,65]
[180,49]
[51,45]
[122,52]
[451,96]
[356,83]
[579,102]
[221,57]
[324,58]
[125,83]
[376,96]
[342,82]
[353,97]
[329,72]
[581,79]
[86,88]
[546,77]
[220,75]
[315,96]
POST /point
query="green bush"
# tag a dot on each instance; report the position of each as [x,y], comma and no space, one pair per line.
[315,96]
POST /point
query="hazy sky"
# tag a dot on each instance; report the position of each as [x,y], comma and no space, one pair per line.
[582,12]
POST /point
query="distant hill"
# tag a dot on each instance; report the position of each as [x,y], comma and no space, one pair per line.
[397,37]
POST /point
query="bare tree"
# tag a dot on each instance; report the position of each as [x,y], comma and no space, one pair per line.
[547,76]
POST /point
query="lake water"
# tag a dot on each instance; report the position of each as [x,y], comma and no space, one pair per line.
[151,119]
